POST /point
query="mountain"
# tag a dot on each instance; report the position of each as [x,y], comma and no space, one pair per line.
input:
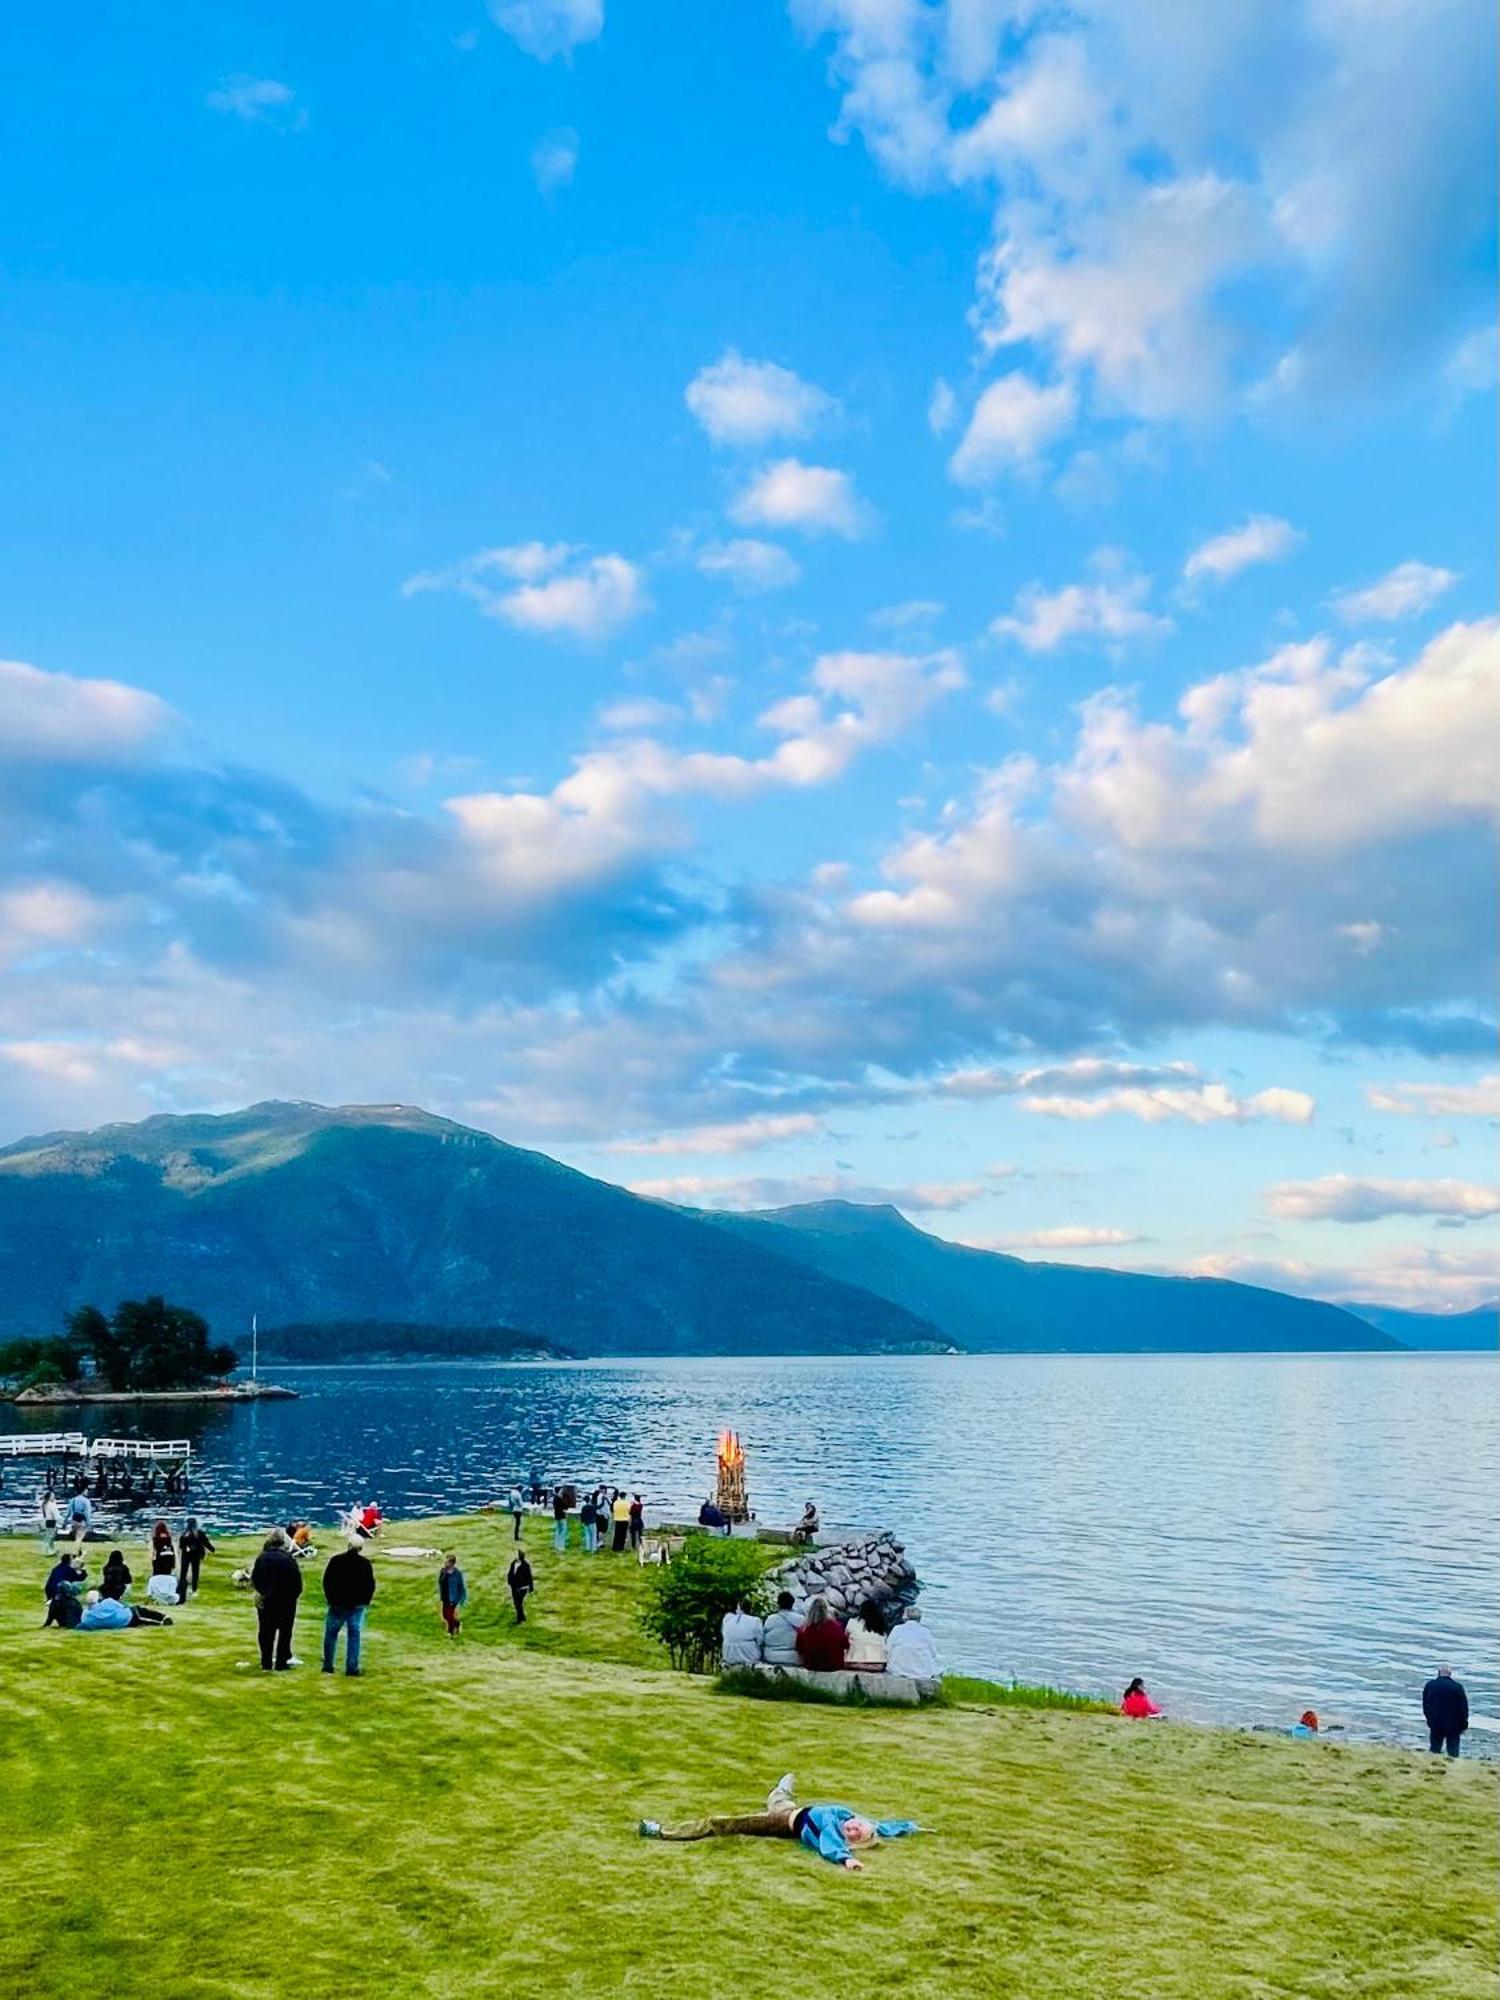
[356,1340]
[1476,1331]
[992,1303]
[380,1212]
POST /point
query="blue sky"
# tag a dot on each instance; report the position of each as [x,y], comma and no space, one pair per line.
[875,597]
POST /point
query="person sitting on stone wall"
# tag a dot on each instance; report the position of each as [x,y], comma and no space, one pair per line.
[911,1649]
[779,1643]
[822,1642]
[867,1644]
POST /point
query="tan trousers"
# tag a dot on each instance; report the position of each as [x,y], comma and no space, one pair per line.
[720,1826]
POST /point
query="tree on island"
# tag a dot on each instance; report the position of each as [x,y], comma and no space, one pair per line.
[149,1344]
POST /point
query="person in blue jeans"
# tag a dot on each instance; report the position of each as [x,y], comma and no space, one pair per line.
[348,1588]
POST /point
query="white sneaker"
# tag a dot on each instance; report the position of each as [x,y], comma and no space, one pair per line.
[784,1793]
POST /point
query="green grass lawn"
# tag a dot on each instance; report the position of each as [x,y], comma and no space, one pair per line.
[463,1821]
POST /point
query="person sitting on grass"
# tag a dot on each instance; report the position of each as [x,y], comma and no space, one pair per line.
[103,1613]
[116,1578]
[453,1593]
[834,1831]
[1306,1723]
[911,1649]
[779,1642]
[161,1585]
[867,1648]
[1136,1703]
[822,1642]
[61,1590]
[740,1636]
[520,1582]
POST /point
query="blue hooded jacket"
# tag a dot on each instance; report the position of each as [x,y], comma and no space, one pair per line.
[823,1830]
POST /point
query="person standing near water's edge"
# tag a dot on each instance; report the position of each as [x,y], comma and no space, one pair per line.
[559,1521]
[348,1588]
[277,1583]
[520,1582]
[192,1546]
[517,1506]
[1445,1708]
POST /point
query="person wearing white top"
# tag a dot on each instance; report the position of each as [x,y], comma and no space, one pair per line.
[867,1643]
[912,1650]
[741,1633]
[161,1587]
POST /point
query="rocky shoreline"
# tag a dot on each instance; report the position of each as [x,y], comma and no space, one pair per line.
[848,1573]
[66,1398]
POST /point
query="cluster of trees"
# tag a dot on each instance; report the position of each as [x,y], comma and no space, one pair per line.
[144,1344]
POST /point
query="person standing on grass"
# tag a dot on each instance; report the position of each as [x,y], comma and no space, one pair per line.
[277,1583]
[453,1593]
[620,1514]
[348,1588]
[47,1518]
[637,1520]
[517,1505]
[559,1521]
[520,1582]
[1445,1708]
[192,1546]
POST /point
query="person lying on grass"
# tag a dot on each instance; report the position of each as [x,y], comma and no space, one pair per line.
[833,1831]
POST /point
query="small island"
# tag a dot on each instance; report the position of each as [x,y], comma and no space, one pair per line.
[146,1351]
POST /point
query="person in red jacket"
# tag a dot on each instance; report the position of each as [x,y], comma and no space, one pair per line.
[1136,1702]
[822,1642]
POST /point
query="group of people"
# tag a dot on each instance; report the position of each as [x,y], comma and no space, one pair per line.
[821,1641]
[176,1569]
[609,1517]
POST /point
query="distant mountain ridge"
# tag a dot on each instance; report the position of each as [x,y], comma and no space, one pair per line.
[314,1216]
[1473,1331]
[990,1303]
[303,1213]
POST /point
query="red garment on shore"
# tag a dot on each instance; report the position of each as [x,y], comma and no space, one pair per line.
[1139,1705]
[822,1647]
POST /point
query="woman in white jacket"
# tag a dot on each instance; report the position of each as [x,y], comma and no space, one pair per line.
[867,1648]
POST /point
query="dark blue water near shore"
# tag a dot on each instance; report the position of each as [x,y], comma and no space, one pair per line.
[1253,1533]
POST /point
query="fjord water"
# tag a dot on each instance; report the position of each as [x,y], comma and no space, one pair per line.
[1254,1534]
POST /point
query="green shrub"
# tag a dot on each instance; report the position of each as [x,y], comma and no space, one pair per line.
[688,1597]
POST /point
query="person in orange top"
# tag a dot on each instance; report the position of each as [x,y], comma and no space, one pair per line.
[1136,1702]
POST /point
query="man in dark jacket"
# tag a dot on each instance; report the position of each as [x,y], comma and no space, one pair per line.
[348,1586]
[277,1582]
[1446,1708]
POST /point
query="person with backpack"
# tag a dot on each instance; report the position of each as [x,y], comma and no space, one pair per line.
[348,1589]
[277,1582]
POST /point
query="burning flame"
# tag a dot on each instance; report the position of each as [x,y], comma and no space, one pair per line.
[731,1452]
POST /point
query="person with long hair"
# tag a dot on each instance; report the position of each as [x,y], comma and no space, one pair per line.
[822,1643]
[867,1640]
[1136,1703]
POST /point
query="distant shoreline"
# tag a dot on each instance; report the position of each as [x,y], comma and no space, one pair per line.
[236,1392]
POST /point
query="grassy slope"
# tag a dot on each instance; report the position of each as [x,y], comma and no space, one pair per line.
[463,1822]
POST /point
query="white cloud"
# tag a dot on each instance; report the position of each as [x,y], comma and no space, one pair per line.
[1011,425]
[258,100]
[57,1062]
[558,590]
[942,408]
[1263,538]
[1401,593]
[751,566]
[1344,1198]
[1070,1236]
[740,402]
[697,1191]
[814,498]
[554,159]
[1472,367]
[1480,1099]
[742,1135]
[639,712]
[1415,1276]
[548,28]
[1044,620]
[57,718]
[1195,1104]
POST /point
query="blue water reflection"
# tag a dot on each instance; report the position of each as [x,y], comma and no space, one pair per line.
[1252,1533]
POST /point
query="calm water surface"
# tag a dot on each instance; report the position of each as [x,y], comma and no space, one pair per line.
[1252,1533]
